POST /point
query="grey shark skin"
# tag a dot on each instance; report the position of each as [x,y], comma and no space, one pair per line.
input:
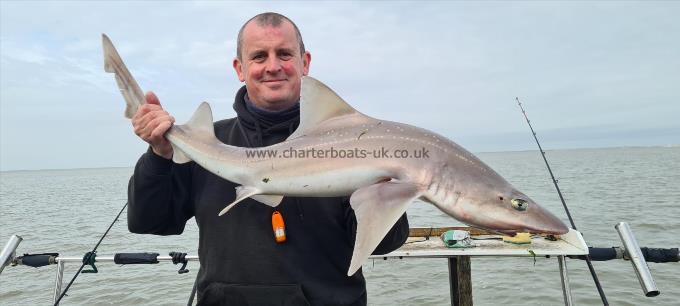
[381,187]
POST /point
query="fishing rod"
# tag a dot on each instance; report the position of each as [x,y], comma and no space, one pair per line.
[89,257]
[566,209]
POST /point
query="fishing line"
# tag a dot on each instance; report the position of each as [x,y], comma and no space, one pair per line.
[90,255]
[564,204]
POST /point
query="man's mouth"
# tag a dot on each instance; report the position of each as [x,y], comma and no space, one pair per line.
[273,81]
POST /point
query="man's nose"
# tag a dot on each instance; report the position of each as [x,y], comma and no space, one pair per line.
[273,64]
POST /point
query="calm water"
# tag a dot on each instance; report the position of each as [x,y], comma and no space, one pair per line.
[66,211]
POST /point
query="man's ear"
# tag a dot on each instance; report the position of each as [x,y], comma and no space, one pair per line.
[239,69]
[306,61]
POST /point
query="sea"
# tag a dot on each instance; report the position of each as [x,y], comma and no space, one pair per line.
[66,211]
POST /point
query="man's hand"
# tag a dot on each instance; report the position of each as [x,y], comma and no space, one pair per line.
[150,124]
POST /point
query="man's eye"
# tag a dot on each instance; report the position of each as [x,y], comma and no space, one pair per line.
[285,56]
[258,58]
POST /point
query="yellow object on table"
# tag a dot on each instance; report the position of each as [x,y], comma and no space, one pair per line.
[520,238]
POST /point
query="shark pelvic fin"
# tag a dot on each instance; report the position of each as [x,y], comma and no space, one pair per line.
[270,200]
[178,156]
[317,104]
[133,95]
[377,208]
[242,193]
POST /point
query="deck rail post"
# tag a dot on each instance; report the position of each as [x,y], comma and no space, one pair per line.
[460,283]
[58,280]
[564,275]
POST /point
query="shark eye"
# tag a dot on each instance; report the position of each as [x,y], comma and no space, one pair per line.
[519,204]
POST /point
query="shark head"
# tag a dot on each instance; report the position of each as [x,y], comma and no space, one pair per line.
[502,208]
[510,214]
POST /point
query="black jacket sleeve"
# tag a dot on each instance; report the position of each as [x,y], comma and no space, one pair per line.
[394,239]
[159,196]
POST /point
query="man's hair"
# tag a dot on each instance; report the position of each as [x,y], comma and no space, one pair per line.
[268,19]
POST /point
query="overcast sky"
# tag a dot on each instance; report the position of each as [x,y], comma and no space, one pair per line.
[590,74]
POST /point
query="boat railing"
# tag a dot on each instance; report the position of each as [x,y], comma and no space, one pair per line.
[422,243]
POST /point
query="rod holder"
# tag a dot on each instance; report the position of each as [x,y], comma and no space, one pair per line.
[8,252]
[637,259]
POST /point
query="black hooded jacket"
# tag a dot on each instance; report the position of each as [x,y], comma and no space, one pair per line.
[241,264]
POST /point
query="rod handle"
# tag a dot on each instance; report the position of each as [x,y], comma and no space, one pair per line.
[135,258]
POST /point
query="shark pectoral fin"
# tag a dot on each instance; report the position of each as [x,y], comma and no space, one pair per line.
[242,193]
[317,104]
[178,156]
[271,200]
[377,208]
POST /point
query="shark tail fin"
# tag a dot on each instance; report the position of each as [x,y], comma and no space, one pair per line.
[132,93]
[199,126]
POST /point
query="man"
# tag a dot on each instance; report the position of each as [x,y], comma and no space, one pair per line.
[241,263]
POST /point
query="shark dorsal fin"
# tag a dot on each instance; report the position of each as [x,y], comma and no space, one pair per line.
[199,126]
[202,121]
[317,104]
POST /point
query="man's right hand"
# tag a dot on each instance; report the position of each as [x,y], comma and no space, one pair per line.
[151,122]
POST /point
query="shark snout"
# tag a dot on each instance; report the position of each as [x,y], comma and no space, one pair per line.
[550,224]
[538,220]
[546,224]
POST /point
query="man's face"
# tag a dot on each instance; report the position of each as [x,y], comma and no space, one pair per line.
[271,65]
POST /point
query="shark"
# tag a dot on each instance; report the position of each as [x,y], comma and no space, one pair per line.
[383,166]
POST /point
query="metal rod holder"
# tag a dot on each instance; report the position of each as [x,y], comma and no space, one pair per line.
[637,259]
[8,252]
